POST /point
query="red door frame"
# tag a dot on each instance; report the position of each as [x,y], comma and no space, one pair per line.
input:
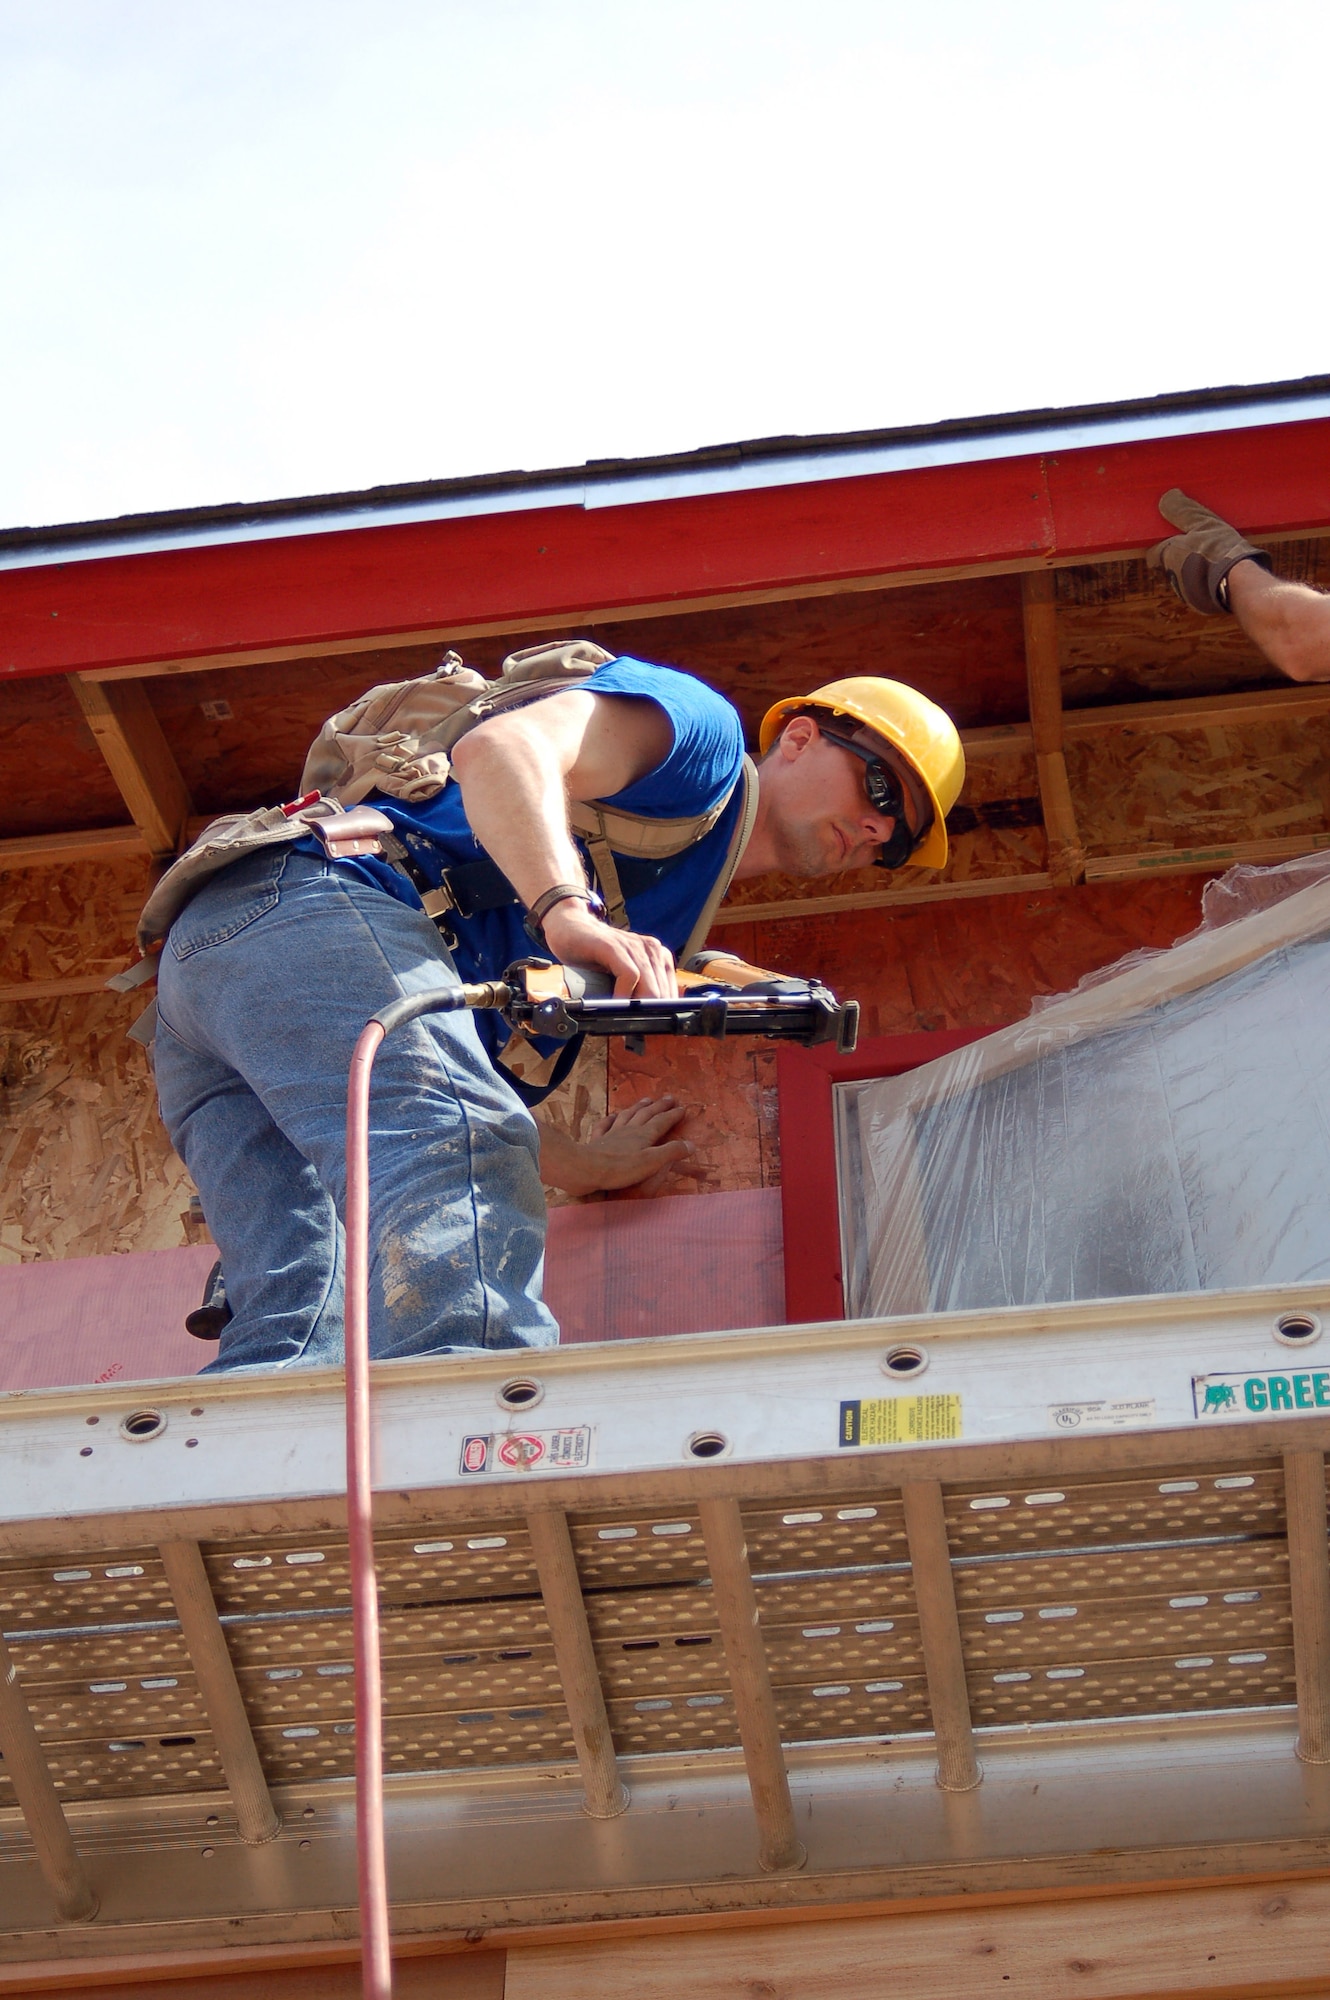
[810,1209]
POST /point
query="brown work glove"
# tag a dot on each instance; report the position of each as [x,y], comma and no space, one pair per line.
[1198,560]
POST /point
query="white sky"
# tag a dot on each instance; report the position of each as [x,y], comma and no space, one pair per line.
[251,248]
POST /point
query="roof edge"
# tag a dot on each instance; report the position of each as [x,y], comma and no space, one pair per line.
[606,471]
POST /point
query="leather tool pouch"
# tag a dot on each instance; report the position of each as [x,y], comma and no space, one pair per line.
[363,830]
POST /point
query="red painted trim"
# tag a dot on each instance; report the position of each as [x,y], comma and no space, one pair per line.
[810,1209]
[508,569]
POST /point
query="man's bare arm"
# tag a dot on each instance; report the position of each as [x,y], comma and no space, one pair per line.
[517,773]
[1290,622]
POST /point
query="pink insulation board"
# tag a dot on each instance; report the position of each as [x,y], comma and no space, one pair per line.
[614,1271]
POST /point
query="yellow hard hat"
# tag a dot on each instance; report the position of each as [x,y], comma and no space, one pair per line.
[923,733]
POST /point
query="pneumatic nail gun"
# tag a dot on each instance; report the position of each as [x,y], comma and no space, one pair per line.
[719,996]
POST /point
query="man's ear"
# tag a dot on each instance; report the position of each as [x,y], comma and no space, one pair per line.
[798,735]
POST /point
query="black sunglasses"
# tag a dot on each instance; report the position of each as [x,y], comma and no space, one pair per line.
[886,795]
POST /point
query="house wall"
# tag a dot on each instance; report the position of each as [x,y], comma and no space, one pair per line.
[87,1170]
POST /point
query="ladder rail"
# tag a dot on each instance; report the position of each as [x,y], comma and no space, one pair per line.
[939,1627]
[1309,1579]
[25,1763]
[779,1847]
[257,1819]
[605,1795]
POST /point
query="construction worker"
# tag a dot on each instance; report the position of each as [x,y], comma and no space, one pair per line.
[1215,569]
[271,970]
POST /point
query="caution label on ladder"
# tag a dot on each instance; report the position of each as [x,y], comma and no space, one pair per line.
[901,1420]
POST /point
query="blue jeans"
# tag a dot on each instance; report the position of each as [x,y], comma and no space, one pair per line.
[266,980]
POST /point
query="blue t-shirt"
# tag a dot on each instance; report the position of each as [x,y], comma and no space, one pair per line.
[701,767]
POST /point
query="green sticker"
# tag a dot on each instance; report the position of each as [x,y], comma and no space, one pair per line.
[1260,1395]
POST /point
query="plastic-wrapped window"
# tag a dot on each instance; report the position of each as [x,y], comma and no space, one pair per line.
[1138,1141]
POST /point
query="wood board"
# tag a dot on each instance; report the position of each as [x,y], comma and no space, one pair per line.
[1137,791]
[1256,1939]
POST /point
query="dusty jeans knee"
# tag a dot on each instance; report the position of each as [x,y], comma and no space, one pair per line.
[266,980]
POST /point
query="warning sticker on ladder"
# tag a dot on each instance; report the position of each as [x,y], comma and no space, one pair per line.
[1260,1395]
[901,1420]
[569,1450]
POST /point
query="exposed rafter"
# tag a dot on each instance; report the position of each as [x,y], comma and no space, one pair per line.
[1066,856]
[140,759]
[60,850]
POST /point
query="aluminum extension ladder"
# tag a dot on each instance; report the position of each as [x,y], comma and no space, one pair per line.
[805,1616]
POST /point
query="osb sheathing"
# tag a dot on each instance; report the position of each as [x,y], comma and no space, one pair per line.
[1141,791]
[85,1165]
[61,922]
[1124,636]
[240,734]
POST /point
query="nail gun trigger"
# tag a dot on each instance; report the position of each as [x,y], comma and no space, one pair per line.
[551,1017]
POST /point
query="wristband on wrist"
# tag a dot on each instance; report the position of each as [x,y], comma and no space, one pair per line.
[561,892]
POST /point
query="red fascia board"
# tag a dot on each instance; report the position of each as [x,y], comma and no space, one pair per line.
[810,1205]
[508,570]
[1270,480]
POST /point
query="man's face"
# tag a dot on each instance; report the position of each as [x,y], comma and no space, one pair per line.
[818,817]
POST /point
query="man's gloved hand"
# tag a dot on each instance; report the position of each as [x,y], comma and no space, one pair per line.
[1198,560]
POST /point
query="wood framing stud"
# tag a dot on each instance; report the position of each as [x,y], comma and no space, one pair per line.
[39,1802]
[604,1794]
[56,850]
[940,1633]
[750,1683]
[1201,860]
[1309,1583]
[256,1816]
[24,991]
[882,899]
[130,738]
[1066,857]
